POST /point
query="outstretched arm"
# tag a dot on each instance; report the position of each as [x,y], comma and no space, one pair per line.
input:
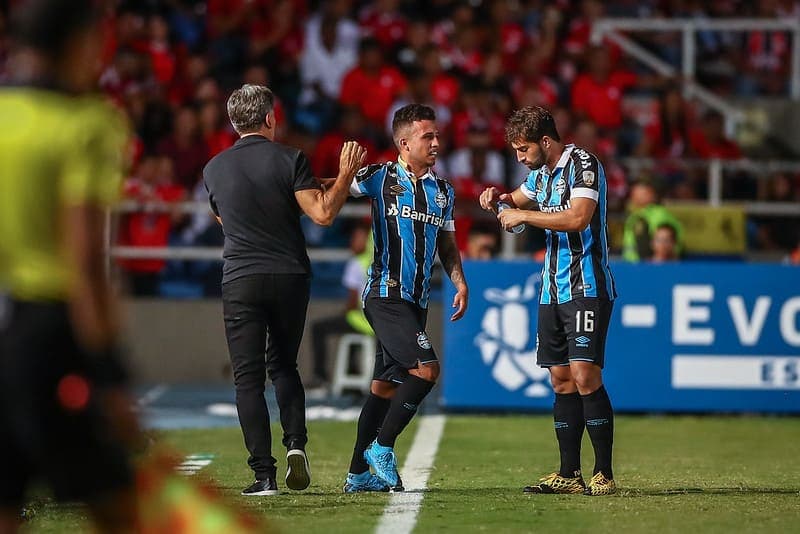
[322,205]
[451,261]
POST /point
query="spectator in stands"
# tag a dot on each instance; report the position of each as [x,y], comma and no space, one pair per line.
[351,126]
[352,319]
[483,242]
[153,187]
[215,129]
[445,88]
[597,92]
[420,91]
[417,38]
[664,244]
[373,85]
[646,216]
[709,141]
[476,107]
[528,76]
[330,51]
[159,49]
[476,165]
[668,135]
[185,147]
[383,21]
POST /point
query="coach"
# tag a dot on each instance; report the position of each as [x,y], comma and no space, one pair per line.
[258,189]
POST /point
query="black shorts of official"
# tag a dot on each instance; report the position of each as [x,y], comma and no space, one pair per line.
[573,331]
[403,343]
[50,430]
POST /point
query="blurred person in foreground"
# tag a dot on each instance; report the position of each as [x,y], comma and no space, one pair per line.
[565,194]
[258,189]
[412,221]
[65,417]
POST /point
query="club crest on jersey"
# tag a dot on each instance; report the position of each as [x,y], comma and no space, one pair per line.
[588,177]
[561,186]
[441,200]
[423,341]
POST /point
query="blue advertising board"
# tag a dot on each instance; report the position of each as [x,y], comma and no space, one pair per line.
[688,337]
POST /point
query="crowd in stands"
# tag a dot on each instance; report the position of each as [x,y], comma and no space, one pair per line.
[340,68]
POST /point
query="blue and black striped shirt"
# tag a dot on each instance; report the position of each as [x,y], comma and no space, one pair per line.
[575,263]
[406,221]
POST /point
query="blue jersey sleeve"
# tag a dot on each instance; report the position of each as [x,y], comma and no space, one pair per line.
[367,181]
[530,187]
[588,176]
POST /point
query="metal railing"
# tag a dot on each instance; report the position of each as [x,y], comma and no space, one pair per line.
[610,29]
[716,178]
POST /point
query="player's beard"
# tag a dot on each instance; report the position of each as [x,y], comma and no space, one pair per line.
[540,159]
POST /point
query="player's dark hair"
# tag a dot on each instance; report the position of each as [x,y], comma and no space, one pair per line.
[411,113]
[530,124]
[48,25]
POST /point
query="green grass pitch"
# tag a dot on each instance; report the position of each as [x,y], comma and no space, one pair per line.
[675,474]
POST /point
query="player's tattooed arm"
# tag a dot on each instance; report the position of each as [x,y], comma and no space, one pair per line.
[451,261]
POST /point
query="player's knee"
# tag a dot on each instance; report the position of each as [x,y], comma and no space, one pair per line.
[561,380]
[384,390]
[426,371]
[562,385]
[588,382]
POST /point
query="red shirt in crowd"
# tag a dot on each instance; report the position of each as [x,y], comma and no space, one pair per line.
[601,101]
[147,229]
[388,28]
[373,95]
[325,160]
[722,149]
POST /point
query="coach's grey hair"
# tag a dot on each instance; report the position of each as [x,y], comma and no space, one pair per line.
[248,107]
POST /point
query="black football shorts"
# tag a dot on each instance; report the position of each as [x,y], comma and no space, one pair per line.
[403,343]
[573,331]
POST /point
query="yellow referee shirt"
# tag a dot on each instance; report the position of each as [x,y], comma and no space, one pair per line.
[56,150]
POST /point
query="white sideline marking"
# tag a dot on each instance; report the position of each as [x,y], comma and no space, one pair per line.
[194,463]
[400,514]
[152,395]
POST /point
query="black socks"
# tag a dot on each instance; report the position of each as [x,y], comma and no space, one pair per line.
[403,406]
[568,421]
[369,422]
[600,425]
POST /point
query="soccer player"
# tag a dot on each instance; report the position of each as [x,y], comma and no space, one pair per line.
[412,220]
[64,411]
[565,193]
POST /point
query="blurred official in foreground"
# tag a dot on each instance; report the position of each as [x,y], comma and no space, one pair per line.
[64,416]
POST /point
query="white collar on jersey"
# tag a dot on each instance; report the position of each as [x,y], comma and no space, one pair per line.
[562,162]
[404,166]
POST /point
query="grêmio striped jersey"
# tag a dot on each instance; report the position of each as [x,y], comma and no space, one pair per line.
[406,221]
[575,263]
